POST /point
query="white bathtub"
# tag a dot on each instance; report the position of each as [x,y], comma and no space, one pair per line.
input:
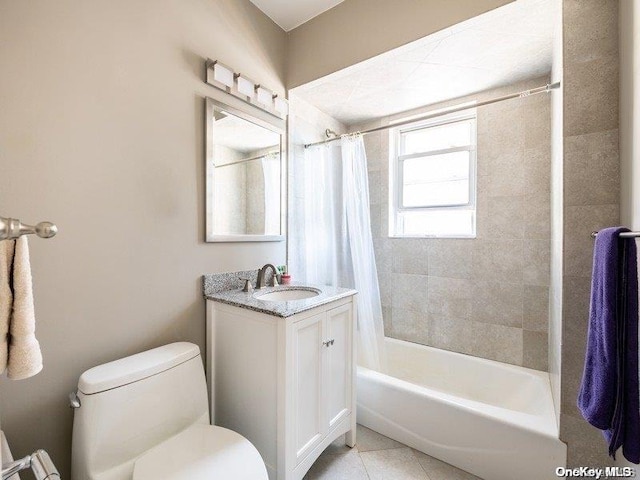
[488,418]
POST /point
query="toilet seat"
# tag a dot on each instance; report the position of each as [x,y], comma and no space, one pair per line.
[202,452]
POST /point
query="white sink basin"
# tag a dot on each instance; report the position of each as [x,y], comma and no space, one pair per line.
[288,295]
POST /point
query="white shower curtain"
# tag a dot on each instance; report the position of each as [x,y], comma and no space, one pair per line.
[271,173]
[338,241]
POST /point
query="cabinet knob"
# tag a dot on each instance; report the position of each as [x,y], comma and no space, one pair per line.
[328,343]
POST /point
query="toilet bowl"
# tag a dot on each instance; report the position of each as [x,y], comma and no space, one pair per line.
[146,417]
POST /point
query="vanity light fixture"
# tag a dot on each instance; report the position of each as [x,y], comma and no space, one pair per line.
[223,74]
[239,85]
[264,96]
[246,86]
[281,105]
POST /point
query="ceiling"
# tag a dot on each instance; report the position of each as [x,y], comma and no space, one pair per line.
[290,14]
[501,47]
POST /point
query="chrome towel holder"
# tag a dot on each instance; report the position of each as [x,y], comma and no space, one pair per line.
[621,235]
[12,228]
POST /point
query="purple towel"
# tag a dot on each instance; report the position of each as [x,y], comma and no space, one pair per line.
[608,397]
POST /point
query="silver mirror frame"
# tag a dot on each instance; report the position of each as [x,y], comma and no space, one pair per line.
[210,236]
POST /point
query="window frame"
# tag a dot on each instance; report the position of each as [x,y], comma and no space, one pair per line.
[396,163]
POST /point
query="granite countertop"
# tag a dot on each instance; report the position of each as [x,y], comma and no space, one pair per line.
[284,309]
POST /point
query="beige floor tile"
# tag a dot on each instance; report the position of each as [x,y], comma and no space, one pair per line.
[367,440]
[438,470]
[346,466]
[394,464]
[338,446]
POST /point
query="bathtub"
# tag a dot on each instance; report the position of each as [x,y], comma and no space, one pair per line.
[491,419]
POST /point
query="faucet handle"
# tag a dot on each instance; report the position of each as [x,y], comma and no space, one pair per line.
[248,287]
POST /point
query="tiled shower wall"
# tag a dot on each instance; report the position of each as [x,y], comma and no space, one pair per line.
[591,185]
[486,296]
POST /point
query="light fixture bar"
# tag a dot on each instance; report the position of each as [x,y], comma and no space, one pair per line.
[239,85]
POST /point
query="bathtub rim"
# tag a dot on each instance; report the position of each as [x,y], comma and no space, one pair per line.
[548,430]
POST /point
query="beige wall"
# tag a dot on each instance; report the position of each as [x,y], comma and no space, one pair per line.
[591,193]
[102,131]
[356,30]
[487,296]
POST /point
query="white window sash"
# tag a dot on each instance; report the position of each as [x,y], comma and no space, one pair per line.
[396,207]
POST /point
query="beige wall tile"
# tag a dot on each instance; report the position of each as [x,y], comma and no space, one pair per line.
[590,103]
[411,325]
[592,169]
[410,256]
[537,123]
[375,187]
[592,32]
[535,350]
[376,220]
[450,258]
[449,297]
[497,303]
[535,308]
[585,444]
[474,285]
[537,262]
[537,170]
[387,320]
[498,260]
[501,128]
[409,292]
[506,175]
[537,216]
[501,217]
[576,299]
[495,342]
[591,96]
[579,222]
[374,151]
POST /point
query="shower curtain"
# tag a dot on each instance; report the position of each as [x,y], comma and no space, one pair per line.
[271,173]
[338,241]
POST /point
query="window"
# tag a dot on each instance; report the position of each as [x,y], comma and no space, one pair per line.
[433,178]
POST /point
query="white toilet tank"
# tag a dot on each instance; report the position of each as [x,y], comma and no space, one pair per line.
[130,405]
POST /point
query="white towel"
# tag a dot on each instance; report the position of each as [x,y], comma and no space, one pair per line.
[6,299]
[24,356]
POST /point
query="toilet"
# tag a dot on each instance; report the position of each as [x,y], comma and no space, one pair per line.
[146,417]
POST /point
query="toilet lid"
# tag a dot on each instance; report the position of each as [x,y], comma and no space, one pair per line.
[202,452]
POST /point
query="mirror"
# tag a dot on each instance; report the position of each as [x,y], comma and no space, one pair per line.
[244,176]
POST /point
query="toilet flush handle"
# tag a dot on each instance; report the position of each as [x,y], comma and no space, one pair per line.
[74,401]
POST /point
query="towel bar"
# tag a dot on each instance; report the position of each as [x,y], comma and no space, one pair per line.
[622,235]
[11,228]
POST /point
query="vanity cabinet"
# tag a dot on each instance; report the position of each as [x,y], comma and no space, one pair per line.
[285,383]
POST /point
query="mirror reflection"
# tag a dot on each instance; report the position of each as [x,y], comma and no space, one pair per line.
[244,177]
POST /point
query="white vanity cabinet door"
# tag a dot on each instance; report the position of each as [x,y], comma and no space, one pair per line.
[339,358]
[309,423]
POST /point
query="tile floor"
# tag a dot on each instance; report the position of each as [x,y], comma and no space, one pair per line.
[376,457]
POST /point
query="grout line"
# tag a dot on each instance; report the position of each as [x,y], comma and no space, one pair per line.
[413,452]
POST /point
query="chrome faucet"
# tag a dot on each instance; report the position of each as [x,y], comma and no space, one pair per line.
[260,283]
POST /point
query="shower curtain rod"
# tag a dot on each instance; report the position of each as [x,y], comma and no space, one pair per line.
[525,93]
[245,160]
